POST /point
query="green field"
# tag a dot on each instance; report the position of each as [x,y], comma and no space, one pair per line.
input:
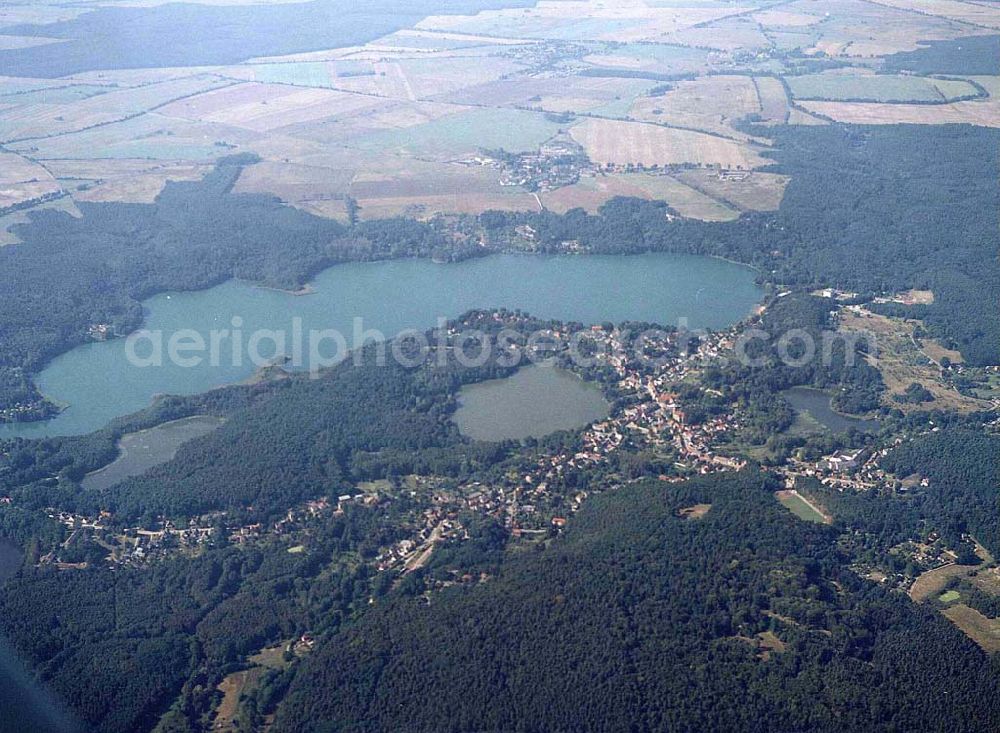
[949,596]
[877,88]
[456,135]
[797,506]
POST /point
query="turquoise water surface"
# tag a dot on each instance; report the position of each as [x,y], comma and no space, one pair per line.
[97,382]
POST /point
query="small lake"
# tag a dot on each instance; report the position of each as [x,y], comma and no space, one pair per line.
[138,452]
[98,383]
[534,401]
[11,557]
[815,413]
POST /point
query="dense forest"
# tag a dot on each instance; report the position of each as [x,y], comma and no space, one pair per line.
[967,55]
[195,34]
[637,619]
[117,646]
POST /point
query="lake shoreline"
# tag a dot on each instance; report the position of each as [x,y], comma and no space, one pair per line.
[658,287]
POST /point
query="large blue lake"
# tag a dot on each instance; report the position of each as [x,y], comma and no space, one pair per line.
[97,382]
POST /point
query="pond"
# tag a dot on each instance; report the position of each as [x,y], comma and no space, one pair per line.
[816,414]
[97,382]
[138,452]
[536,400]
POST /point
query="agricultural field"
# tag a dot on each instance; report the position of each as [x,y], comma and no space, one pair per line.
[698,511]
[711,104]
[878,88]
[772,99]
[149,136]
[978,112]
[901,361]
[659,58]
[584,20]
[861,31]
[731,32]
[37,120]
[981,14]
[982,630]
[422,189]
[22,180]
[803,508]
[745,191]
[640,144]
[266,107]
[591,193]
[141,187]
[598,95]
[933,582]
[988,581]
[463,134]
[641,84]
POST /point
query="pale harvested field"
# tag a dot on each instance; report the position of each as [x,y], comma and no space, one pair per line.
[967,12]
[982,630]
[730,34]
[143,187]
[150,136]
[16,169]
[591,193]
[932,582]
[231,688]
[710,103]
[985,113]
[430,78]
[784,19]
[387,115]
[860,29]
[384,185]
[140,77]
[772,98]
[100,169]
[988,581]
[694,512]
[668,24]
[426,206]
[759,192]
[937,351]
[798,117]
[575,20]
[267,107]
[623,143]
[423,189]
[471,38]
[294,183]
[22,180]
